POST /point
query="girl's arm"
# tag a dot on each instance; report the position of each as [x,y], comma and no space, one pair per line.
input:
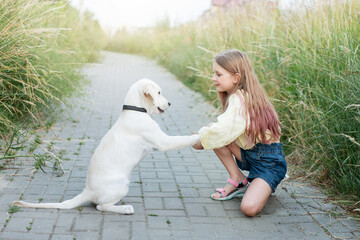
[229,126]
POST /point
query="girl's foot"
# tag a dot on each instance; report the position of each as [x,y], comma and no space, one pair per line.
[231,189]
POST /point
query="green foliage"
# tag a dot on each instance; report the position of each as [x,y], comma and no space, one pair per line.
[42,44]
[308,60]
[13,209]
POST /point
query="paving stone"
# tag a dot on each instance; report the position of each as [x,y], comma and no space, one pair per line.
[196,210]
[167,212]
[182,234]
[168,187]
[150,187]
[153,203]
[265,236]
[85,222]
[86,235]
[179,223]
[225,232]
[159,234]
[200,179]
[66,220]
[145,175]
[184,179]
[189,192]
[63,236]
[158,222]
[23,235]
[167,175]
[139,230]
[265,223]
[42,225]
[179,168]
[204,230]
[18,224]
[210,220]
[116,230]
[173,203]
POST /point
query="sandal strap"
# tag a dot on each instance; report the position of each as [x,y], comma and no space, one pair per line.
[221,191]
[236,184]
[243,183]
[232,182]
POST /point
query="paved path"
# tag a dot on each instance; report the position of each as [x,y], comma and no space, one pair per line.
[169,191]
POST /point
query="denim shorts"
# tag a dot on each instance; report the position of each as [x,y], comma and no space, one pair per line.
[265,161]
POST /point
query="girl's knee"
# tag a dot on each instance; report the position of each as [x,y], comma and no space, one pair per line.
[249,209]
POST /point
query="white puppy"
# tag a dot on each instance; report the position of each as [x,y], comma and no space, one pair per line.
[121,149]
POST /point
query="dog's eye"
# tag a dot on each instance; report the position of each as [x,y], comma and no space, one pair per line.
[159,92]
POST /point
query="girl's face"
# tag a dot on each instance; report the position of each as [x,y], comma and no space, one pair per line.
[223,80]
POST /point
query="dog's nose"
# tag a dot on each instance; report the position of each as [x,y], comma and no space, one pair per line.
[169,104]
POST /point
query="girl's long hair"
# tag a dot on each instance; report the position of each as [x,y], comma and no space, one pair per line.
[260,111]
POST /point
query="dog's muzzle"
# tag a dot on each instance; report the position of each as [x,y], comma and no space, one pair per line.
[161,110]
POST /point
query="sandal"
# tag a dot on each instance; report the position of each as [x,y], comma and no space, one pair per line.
[240,188]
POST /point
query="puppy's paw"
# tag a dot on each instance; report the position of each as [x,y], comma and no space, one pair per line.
[127,209]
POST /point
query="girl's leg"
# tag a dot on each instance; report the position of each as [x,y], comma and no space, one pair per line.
[225,154]
[255,197]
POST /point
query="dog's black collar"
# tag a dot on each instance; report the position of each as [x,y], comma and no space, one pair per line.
[133,108]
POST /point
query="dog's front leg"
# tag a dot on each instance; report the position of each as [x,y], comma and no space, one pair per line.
[163,142]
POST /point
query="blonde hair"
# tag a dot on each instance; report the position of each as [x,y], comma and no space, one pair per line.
[260,111]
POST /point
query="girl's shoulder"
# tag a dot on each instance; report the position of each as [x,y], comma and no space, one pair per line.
[237,100]
[237,96]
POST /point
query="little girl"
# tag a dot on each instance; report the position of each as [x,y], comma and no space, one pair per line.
[248,129]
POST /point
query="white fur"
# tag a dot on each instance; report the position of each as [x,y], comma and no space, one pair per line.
[121,149]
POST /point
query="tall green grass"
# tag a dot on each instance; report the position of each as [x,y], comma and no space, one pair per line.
[308,59]
[42,44]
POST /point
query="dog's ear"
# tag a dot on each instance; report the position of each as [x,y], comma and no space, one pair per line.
[148,90]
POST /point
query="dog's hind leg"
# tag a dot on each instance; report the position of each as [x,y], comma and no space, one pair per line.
[122,209]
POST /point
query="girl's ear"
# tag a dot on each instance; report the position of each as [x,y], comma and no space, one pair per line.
[236,78]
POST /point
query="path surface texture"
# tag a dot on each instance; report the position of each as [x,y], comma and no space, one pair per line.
[170,191]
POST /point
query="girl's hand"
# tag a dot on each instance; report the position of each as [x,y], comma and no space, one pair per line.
[198,146]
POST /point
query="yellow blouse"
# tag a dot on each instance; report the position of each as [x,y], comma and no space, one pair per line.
[230,126]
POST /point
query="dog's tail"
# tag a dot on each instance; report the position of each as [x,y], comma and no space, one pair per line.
[68,204]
